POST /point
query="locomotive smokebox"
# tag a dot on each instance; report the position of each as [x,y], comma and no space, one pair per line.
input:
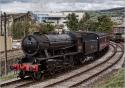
[30,45]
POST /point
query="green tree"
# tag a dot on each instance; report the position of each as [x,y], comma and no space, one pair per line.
[90,25]
[34,28]
[81,24]
[26,28]
[17,31]
[20,29]
[86,17]
[86,23]
[46,28]
[104,24]
[72,22]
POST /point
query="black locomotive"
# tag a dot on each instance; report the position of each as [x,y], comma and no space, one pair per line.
[47,53]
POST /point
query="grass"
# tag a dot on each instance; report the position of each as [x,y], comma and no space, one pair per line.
[9,76]
[117,81]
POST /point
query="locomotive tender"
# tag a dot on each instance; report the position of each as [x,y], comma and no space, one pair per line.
[47,53]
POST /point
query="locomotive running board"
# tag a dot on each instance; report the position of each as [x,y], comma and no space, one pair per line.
[56,56]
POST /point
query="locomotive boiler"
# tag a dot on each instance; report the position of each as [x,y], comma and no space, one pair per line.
[44,54]
[33,44]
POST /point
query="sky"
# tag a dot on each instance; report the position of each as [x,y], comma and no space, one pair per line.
[58,5]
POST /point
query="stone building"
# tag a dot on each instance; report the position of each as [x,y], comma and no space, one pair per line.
[10,20]
[120,28]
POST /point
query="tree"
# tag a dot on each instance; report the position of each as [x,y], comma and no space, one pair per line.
[20,29]
[72,22]
[104,24]
[90,25]
[86,23]
[17,31]
[33,28]
[86,17]
[46,28]
[26,28]
[81,24]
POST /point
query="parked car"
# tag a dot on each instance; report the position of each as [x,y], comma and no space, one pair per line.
[16,44]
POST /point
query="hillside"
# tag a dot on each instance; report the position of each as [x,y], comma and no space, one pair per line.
[110,12]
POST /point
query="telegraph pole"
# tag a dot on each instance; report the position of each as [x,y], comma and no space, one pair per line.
[5,41]
[1,24]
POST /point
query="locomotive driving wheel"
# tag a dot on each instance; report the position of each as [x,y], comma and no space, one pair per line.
[22,74]
[37,76]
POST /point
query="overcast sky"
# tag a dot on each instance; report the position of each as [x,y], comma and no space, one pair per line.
[58,5]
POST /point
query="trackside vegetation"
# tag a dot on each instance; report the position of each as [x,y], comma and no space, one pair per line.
[116,81]
[9,76]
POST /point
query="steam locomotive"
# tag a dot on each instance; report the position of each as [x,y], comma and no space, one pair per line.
[47,53]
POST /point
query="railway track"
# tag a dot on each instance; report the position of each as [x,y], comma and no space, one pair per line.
[15,83]
[9,50]
[75,77]
[12,57]
[78,79]
[11,54]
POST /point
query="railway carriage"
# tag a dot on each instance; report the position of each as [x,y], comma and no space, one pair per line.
[118,37]
[45,54]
